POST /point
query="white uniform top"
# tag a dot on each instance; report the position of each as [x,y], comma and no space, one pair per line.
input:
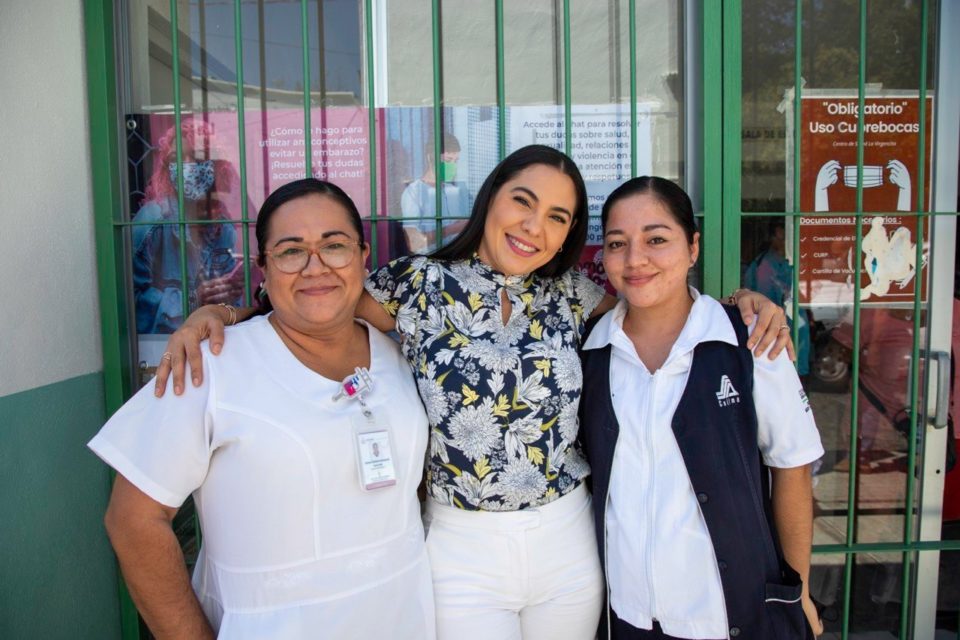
[660,561]
[292,546]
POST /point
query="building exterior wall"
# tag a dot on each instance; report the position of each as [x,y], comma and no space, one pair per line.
[59,577]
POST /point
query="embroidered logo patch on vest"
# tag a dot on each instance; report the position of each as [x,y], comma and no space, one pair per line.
[727,394]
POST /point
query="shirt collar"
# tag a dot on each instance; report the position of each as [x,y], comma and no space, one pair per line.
[707,322]
[609,325]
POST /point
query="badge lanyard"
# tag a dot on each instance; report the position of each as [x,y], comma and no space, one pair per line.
[354,386]
[374,452]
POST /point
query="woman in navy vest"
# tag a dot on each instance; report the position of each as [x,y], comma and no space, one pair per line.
[702,486]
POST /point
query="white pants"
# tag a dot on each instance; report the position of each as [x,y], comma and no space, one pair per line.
[530,575]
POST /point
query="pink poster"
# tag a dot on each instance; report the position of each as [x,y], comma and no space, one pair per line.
[210,247]
[276,150]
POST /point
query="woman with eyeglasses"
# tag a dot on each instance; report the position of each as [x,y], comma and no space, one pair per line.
[302,448]
[490,326]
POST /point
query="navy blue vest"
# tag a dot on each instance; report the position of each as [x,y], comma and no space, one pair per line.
[716,429]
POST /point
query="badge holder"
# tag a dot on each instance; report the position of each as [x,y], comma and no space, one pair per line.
[372,444]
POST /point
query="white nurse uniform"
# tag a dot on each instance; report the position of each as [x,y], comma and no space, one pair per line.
[293,547]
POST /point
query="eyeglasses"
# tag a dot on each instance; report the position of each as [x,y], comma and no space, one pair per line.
[294,258]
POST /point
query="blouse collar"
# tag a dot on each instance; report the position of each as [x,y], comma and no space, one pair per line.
[520,281]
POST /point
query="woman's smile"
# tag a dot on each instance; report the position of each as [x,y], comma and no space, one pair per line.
[520,247]
[317,289]
[638,280]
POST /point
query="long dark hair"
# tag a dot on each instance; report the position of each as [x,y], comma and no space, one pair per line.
[291,191]
[468,241]
[667,192]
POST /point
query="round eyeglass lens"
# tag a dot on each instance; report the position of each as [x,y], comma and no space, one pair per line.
[335,255]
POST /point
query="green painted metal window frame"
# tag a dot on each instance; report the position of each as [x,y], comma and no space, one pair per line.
[370,100]
[720,29]
[105,168]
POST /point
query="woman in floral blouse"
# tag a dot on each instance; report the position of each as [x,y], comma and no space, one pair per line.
[490,325]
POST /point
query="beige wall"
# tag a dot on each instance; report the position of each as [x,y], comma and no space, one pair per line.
[49,318]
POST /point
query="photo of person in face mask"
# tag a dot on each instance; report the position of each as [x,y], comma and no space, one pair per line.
[419,200]
[214,274]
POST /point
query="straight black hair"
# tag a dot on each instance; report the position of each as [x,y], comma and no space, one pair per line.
[291,191]
[669,193]
[468,241]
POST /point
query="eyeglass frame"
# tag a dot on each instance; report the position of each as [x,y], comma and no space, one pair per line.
[311,251]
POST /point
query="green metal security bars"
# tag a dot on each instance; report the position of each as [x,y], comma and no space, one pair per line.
[376,214]
[733,19]
[721,40]
[113,225]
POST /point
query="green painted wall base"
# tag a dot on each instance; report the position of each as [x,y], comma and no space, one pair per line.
[58,576]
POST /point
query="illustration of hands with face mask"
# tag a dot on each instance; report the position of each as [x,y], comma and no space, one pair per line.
[872,176]
[901,177]
[827,177]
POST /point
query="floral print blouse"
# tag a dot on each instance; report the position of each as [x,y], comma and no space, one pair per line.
[501,398]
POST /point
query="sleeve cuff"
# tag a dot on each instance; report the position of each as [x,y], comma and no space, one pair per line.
[796,459]
[125,467]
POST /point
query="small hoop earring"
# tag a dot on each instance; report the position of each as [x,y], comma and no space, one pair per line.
[560,250]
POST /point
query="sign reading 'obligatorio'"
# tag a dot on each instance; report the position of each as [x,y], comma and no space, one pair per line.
[890,188]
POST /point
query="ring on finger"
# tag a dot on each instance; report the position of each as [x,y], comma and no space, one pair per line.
[166,356]
[782,327]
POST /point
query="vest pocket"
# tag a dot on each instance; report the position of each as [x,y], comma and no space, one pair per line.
[784,610]
[783,593]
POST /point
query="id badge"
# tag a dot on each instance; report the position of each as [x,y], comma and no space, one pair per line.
[374,453]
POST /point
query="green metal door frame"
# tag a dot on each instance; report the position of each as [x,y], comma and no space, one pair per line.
[713,151]
[730,125]
[723,46]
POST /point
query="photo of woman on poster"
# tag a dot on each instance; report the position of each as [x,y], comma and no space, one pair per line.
[214,274]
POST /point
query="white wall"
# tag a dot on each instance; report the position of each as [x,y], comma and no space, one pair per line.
[49,317]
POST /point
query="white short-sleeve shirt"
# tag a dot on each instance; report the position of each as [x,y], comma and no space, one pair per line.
[292,545]
[660,560]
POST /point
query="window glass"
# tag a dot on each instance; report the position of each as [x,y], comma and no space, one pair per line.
[269,147]
[470,127]
[228,172]
[829,62]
